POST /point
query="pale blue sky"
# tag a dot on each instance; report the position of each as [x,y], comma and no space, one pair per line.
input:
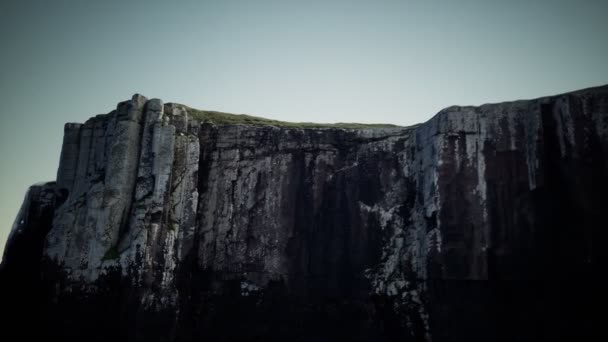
[326,61]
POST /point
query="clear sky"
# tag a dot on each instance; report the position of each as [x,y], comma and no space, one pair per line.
[325,61]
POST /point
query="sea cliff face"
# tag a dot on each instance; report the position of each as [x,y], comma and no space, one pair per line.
[478,224]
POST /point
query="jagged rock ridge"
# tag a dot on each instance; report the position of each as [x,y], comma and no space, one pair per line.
[477,224]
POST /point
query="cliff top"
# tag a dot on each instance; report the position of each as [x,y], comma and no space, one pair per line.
[244,119]
[227,118]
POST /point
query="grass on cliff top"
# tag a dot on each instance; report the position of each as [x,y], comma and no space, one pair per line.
[243,119]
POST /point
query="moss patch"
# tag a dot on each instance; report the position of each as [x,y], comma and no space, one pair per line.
[111,254]
[244,119]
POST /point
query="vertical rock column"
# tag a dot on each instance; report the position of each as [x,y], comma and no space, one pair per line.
[151,192]
[86,227]
[69,156]
[165,201]
[184,188]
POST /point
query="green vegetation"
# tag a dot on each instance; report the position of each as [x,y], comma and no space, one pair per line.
[243,119]
[111,254]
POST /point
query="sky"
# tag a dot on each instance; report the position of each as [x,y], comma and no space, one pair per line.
[375,61]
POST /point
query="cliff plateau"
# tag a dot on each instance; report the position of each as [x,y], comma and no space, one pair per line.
[166,225]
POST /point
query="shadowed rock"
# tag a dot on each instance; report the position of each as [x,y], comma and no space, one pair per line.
[476,225]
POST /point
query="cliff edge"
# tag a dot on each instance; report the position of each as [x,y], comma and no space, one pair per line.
[168,224]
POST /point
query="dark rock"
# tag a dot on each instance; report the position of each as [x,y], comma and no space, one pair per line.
[476,225]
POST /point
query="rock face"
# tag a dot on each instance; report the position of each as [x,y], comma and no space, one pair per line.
[476,225]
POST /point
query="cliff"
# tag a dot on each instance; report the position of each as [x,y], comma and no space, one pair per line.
[167,224]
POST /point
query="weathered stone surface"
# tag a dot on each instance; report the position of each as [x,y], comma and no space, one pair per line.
[476,225]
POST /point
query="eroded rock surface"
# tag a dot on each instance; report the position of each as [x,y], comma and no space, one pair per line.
[476,225]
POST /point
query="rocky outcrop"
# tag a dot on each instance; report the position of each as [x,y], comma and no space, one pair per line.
[478,224]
